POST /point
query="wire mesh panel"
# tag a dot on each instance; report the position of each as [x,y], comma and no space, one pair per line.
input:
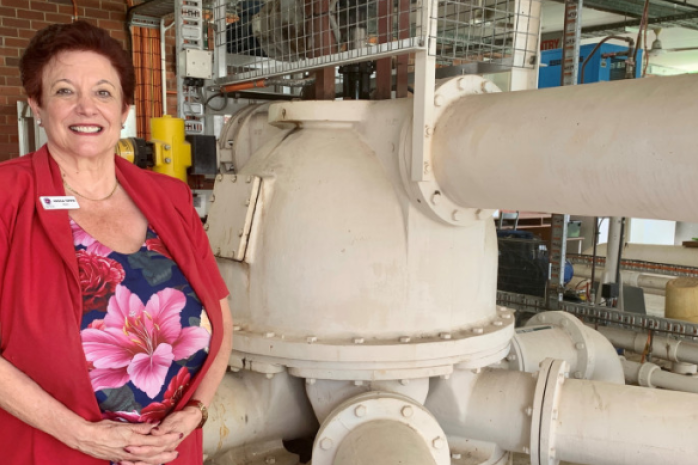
[495,31]
[264,38]
[277,37]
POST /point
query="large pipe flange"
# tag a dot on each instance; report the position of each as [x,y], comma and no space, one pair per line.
[396,427]
[576,331]
[546,402]
[430,196]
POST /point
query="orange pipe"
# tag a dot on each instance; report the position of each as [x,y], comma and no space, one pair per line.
[244,86]
[75,11]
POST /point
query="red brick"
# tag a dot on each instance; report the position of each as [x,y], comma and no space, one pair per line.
[113,5]
[39,6]
[92,3]
[96,13]
[15,3]
[58,18]
[9,71]
[118,35]
[68,10]
[27,14]
[9,12]
[13,80]
[8,32]
[16,22]
[8,146]
[11,61]
[36,25]
[112,25]
[118,16]
[27,33]
[14,42]
[64,2]
[9,52]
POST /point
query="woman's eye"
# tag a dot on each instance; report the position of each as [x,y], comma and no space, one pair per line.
[64,92]
[104,93]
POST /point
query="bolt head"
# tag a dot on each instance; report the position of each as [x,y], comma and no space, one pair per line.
[498,323]
[405,339]
[269,334]
[404,382]
[358,340]
[310,381]
[270,375]
[457,215]
[511,357]
[506,315]
[439,100]
[360,411]
[212,199]
[580,346]
[248,179]
[478,330]
[438,443]
[168,160]
[445,335]
[237,328]
[462,84]
[240,233]
[407,411]
[326,444]
[358,382]
[455,456]
[270,460]
[311,339]
[529,411]
[219,177]
[526,450]
[206,227]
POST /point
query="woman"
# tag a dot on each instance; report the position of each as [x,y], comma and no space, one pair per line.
[114,326]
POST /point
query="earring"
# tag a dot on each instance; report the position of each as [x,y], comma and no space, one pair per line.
[123,126]
[38,122]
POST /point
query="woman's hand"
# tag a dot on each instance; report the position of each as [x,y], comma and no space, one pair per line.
[127,442]
[180,424]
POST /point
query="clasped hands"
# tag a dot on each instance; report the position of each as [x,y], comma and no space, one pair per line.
[139,443]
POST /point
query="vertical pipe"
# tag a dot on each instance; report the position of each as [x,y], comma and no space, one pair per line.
[612,253]
[163,62]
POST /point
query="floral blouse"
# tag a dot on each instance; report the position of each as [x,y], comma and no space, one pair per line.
[144,331]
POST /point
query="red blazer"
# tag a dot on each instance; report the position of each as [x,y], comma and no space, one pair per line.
[41,303]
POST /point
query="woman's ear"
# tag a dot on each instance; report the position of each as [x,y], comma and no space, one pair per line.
[36,110]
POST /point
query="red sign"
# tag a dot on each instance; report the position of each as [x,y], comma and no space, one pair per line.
[551,44]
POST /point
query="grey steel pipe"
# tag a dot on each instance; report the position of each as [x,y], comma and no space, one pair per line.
[586,150]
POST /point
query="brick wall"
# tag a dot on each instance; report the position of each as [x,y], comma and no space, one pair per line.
[19,21]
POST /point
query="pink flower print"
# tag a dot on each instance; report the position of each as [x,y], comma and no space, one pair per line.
[156,411]
[140,342]
[80,237]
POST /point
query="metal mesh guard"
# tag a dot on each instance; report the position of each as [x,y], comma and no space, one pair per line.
[270,38]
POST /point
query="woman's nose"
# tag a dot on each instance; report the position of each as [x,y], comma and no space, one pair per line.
[86,105]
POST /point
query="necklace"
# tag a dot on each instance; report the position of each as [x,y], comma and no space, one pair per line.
[116,184]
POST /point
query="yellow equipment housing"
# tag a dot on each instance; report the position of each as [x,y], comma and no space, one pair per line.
[171,152]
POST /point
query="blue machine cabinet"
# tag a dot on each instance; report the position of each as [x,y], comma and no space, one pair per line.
[598,69]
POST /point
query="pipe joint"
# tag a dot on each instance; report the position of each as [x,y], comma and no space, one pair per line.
[645,373]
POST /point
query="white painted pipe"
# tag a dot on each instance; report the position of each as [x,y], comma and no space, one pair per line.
[594,423]
[488,406]
[533,344]
[652,376]
[663,347]
[250,408]
[586,150]
[606,424]
[654,253]
[651,283]
[614,243]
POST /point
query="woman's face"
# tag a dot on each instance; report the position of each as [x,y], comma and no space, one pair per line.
[82,107]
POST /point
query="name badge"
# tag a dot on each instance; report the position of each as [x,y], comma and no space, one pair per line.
[67,202]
